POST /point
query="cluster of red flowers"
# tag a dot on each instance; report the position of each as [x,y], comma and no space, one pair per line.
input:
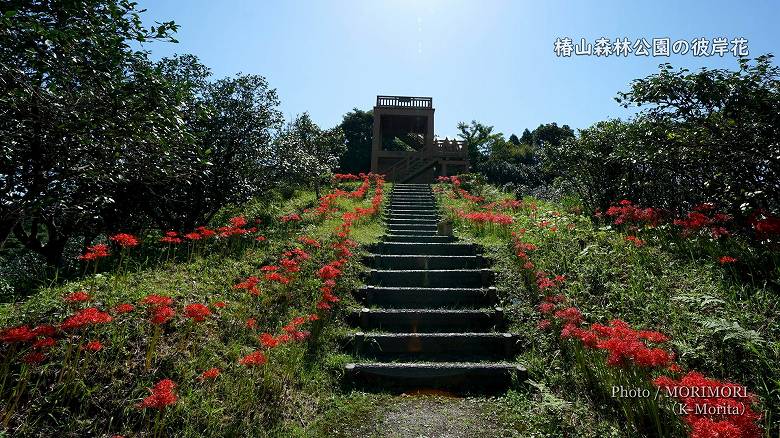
[95,252]
[635,240]
[735,417]
[486,217]
[171,237]
[292,217]
[198,312]
[704,217]
[160,309]
[346,177]
[162,395]
[76,297]
[522,248]
[124,240]
[765,224]
[85,317]
[629,214]
[504,204]
[249,284]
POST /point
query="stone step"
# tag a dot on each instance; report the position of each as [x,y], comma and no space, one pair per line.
[460,377]
[434,346]
[400,214]
[380,261]
[432,278]
[401,228]
[412,221]
[417,248]
[429,320]
[427,297]
[415,214]
[410,205]
[417,238]
[412,232]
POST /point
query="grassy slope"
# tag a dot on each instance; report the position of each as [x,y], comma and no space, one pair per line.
[281,398]
[718,324]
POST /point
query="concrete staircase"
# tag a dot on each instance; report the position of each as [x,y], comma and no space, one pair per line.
[430,318]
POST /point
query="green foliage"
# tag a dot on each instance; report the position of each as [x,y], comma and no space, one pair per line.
[358,128]
[306,154]
[708,136]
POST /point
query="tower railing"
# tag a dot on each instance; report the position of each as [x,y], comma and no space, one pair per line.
[404,102]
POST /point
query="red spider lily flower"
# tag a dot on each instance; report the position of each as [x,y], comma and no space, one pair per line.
[250,285]
[275,276]
[559,298]
[44,343]
[298,320]
[695,391]
[628,213]
[251,323]
[124,240]
[310,241]
[198,312]
[253,359]
[210,374]
[290,265]
[571,315]
[653,336]
[528,265]
[284,337]
[157,300]
[171,237]
[300,254]
[95,252]
[300,335]
[219,304]
[328,272]
[292,217]
[545,283]
[635,240]
[33,358]
[544,324]
[88,316]
[205,233]
[124,308]
[546,307]
[269,268]
[238,221]
[193,236]
[268,341]
[162,314]
[45,330]
[313,317]
[77,297]
[260,238]
[323,305]
[93,346]
[162,395]
[17,334]
[727,259]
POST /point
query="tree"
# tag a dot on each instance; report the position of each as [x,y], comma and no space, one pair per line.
[306,154]
[357,126]
[478,138]
[233,121]
[74,99]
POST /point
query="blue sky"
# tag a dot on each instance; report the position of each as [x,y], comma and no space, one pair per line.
[489,60]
